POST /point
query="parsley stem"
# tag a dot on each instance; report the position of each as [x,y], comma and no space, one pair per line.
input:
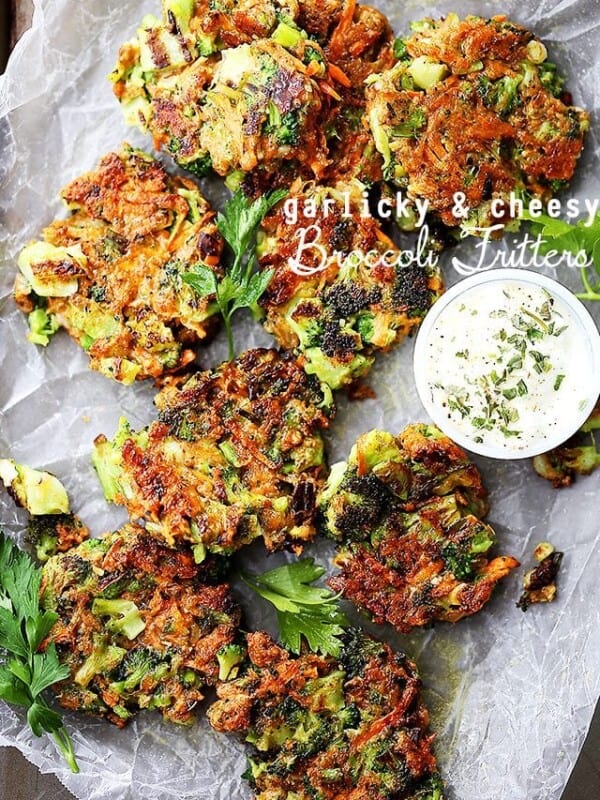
[65,745]
[229,331]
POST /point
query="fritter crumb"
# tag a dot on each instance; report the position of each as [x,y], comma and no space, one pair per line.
[540,583]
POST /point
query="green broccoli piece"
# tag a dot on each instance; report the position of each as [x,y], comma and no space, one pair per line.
[230,658]
[460,560]
[327,693]
[102,660]
[126,618]
[107,458]
[401,50]
[287,35]
[200,167]
[42,327]
[578,456]
[139,664]
[37,491]
[550,79]
[357,650]
[53,533]
[501,95]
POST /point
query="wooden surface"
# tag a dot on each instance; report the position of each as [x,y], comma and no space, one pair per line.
[21,11]
[20,780]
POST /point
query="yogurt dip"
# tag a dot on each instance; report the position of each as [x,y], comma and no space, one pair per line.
[507,363]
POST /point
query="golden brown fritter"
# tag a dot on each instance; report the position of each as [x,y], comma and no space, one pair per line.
[350,295]
[473,106]
[140,625]
[353,727]
[235,86]
[111,272]
[406,511]
[259,88]
[236,454]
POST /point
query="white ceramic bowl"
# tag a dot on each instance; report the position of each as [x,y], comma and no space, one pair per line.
[573,417]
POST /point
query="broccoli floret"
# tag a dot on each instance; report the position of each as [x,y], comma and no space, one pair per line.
[38,492]
[139,664]
[460,559]
[53,533]
[327,693]
[42,327]
[200,167]
[350,716]
[126,618]
[103,660]
[432,789]
[550,79]
[230,658]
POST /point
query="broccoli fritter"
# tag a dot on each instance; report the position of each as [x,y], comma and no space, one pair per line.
[407,511]
[267,90]
[473,106]
[352,728]
[140,626]
[232,96]
[341,293]
[577,456]
[111,272]
[236,454]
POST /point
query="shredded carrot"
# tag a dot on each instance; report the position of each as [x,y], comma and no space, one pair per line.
[336,43]
[327,89]
[313,68]
[338,75]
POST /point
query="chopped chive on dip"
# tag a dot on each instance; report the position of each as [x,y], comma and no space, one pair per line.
[504,364]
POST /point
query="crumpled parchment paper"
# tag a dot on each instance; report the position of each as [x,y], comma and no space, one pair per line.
[511,694]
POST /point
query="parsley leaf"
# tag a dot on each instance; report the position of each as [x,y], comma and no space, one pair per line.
[241,286]
[562,236]
[303,610]
[26,673]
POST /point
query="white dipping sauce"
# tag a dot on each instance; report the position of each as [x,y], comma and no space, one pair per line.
[506,364]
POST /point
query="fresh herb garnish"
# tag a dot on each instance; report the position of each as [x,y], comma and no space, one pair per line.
[303,610]
[579,238]
[25,672]
[241,286]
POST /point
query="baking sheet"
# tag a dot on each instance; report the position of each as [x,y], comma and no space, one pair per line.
[511,694]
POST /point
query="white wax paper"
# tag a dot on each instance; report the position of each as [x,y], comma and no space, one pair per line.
[511,694]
